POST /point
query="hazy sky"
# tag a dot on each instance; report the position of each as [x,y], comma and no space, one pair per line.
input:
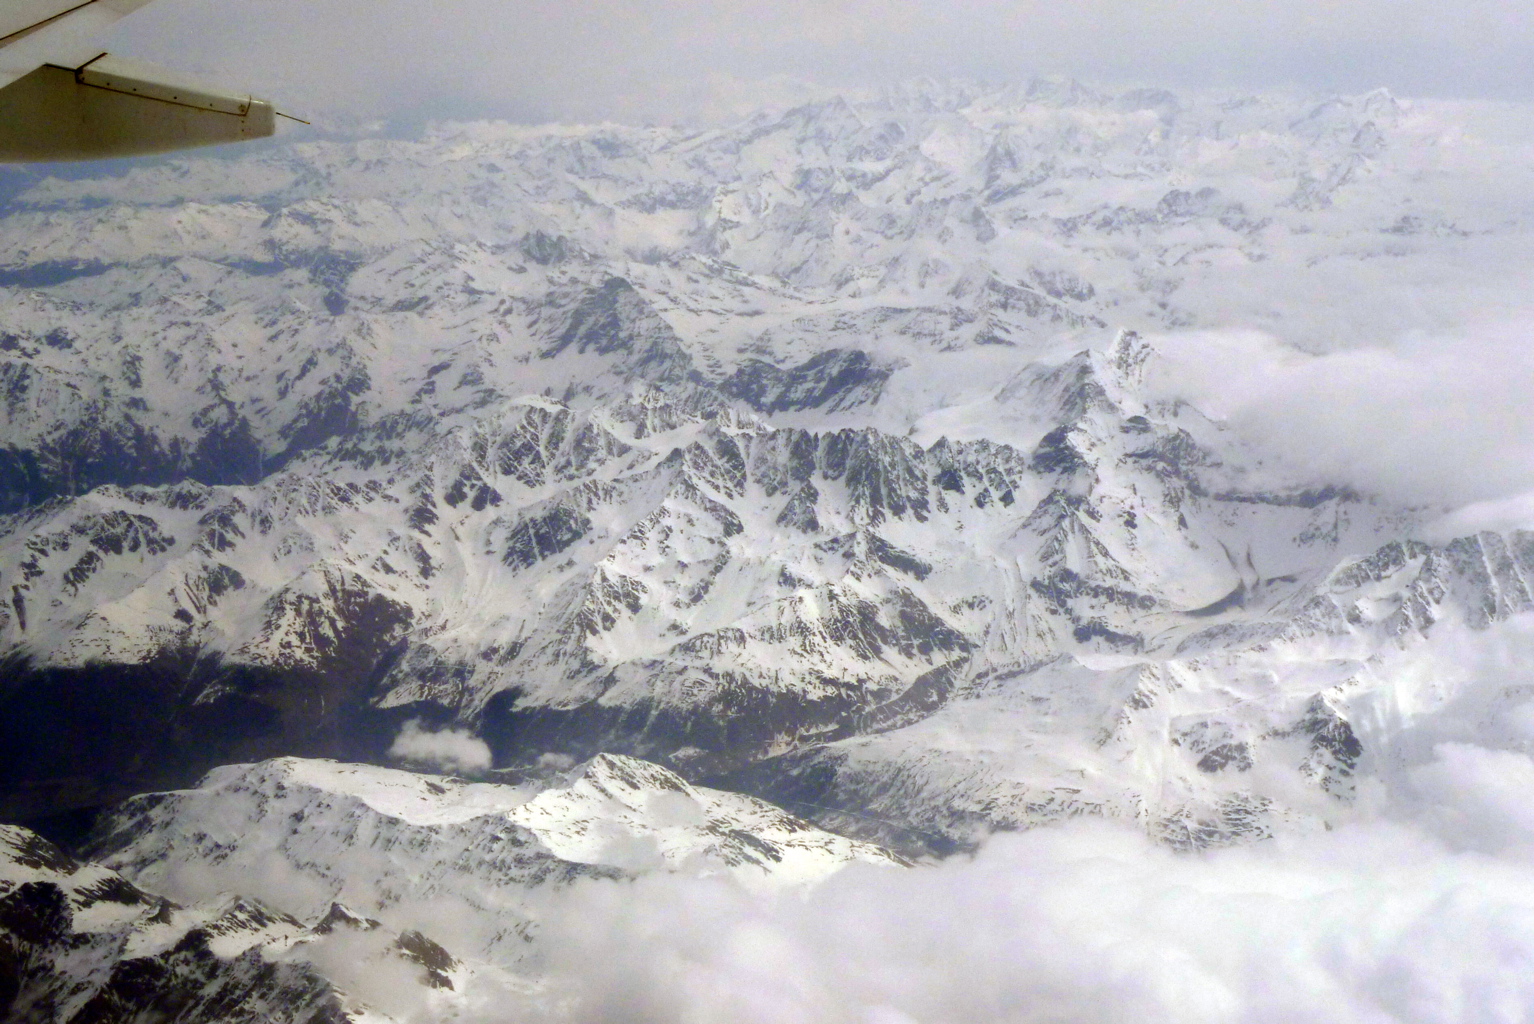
[535,59]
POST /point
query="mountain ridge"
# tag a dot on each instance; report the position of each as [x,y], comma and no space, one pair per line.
[766,452]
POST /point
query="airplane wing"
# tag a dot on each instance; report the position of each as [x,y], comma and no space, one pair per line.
[38,32]
[61,98]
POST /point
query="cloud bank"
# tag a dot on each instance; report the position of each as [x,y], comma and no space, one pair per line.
[1089,923]
[543,60]
[1436,420]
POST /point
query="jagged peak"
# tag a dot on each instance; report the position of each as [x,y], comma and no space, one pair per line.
[621,776]
[1125,361]
[341,916]
[1057,90]
[833,113]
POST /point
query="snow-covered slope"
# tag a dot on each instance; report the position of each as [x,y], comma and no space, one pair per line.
[805,455]
[212,318]
[437,854]
[723,592]
[375,859]
[78,942]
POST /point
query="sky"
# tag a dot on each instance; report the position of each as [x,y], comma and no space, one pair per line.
[537,60]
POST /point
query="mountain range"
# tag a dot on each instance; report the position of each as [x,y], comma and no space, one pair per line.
[826,458]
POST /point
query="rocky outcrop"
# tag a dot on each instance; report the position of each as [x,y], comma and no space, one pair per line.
[80,943]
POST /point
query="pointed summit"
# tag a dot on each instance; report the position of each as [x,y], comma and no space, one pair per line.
[1125,360]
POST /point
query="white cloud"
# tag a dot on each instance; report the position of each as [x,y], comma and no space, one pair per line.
[1480,795]
[1430,419]
[1088,922]
[451,750]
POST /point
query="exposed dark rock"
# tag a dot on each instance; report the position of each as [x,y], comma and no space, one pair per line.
[49,273]
[1298,499]
[800,510]
[614,320]
[545,249]
[417,948]
[51,973]
[1334,747]
[1226,755]
[1056,454]
[833,380]
[1240,818]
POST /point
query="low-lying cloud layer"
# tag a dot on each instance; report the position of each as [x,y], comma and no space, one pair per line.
[1438,420]
[1092,923]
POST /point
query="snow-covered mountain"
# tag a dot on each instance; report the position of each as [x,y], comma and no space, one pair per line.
[376,860]
[813,456]
[419,851]
[82,943]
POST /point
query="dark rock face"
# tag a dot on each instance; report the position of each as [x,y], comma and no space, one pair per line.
[1334,747]
[732,728]
[190,983]
[817,784]
[834,380]
[125,453]
[1236,756]
[1055,453]
[98,438]
[545,249]
[614,320]
[1234,819]
[543,536]
[435,960]
[800,510]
